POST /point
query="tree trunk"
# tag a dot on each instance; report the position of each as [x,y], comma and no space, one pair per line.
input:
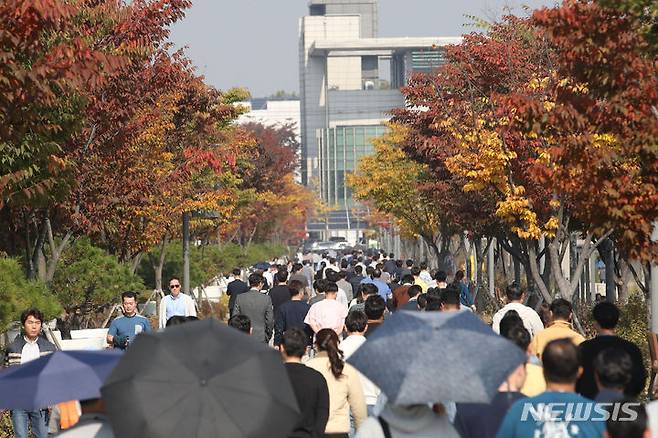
[606,250]
[134,263]
[55,251]
[157,268]
[622,279]
[533,267]
[37,251]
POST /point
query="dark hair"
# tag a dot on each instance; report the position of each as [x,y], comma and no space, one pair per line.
[377,273]
[240,322]
[327,340]
[613,367]
[331,287]
[368,289]
[356,321]
[560,361]
[369,271]
[450,296]
[513,292]
[255,280]
[440,276]
[295,287]
[423,265]
[606,314]
[192,318]
[375,306]
[33,312]
[320,286]
[623,427]
[294,342]
[433,303]
[519,336]
[129,294]
[343,264]
[408,279]
[561,309]
[459,275]
[398,263]
[391,255]
[415,271]
[281,276]
[331,275]
[545,314]
[409,263]
[358,269]
[414,290]
[176,320]
[422,301]
[510,320]
[236,271]
[296,267]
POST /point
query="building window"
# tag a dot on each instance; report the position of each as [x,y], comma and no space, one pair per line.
[318,10]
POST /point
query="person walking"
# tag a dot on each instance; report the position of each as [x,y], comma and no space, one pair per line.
[606,316]
[561,371]
[291,314]
[374,310]
[345,391]
[561,314]
[356,279]
[27,346]
[309,386]
[279,293]
[413,292]
[123,329]
[356,325]
[515,298]
[328,313]
[175,304]
[400,294]
[235,288]
[258,307]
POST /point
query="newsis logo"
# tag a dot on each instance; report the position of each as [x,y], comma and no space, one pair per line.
[571,412]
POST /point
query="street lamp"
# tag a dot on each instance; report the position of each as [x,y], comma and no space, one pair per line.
[186,243]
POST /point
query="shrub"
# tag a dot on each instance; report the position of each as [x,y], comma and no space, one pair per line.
[88,278]
[17,294]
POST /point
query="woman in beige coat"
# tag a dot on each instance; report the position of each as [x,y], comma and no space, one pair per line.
[345,390]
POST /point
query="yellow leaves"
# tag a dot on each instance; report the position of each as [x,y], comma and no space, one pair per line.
[516,211]
[537,83]
[548,106]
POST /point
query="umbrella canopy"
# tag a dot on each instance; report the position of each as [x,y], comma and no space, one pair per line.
[57,377]
[427,357]
[200,379]
[262,265]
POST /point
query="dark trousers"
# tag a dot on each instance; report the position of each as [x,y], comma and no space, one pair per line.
[336,435]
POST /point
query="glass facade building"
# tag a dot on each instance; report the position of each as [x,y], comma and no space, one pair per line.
[339,151]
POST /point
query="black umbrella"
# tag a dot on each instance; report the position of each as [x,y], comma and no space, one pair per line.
[426,357]
[201,379]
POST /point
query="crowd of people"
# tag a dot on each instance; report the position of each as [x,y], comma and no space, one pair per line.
[319,314]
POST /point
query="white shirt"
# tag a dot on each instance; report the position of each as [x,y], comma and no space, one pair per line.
[426,277]
[30,351]
[531,321]
[341,297]
[348,346]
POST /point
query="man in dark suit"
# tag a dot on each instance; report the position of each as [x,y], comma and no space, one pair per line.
[235,288]
[258,307]
[413,291]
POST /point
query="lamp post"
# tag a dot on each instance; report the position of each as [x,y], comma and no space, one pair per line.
[186,253]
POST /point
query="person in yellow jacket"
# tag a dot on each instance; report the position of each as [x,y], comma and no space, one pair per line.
[561,315]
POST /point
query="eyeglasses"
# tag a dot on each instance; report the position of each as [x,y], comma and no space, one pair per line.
[174,286]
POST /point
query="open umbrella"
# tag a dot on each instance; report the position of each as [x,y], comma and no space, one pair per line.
[264,266]
[427,357]
[57,377]
[201,379]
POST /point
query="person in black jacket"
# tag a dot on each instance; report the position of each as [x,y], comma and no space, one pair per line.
[606,316]
[235,288]
[309,385]
[291,314]
[280,293]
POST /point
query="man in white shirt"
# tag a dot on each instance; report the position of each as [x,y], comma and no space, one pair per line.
[176,303]
[425,274]
[328,313]
[515,297]
[356,324]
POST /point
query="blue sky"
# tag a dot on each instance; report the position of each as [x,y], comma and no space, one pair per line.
[253,43]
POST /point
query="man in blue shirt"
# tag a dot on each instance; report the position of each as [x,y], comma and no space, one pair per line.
[175,304]
[559,411]
[374,277]
[124,328]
